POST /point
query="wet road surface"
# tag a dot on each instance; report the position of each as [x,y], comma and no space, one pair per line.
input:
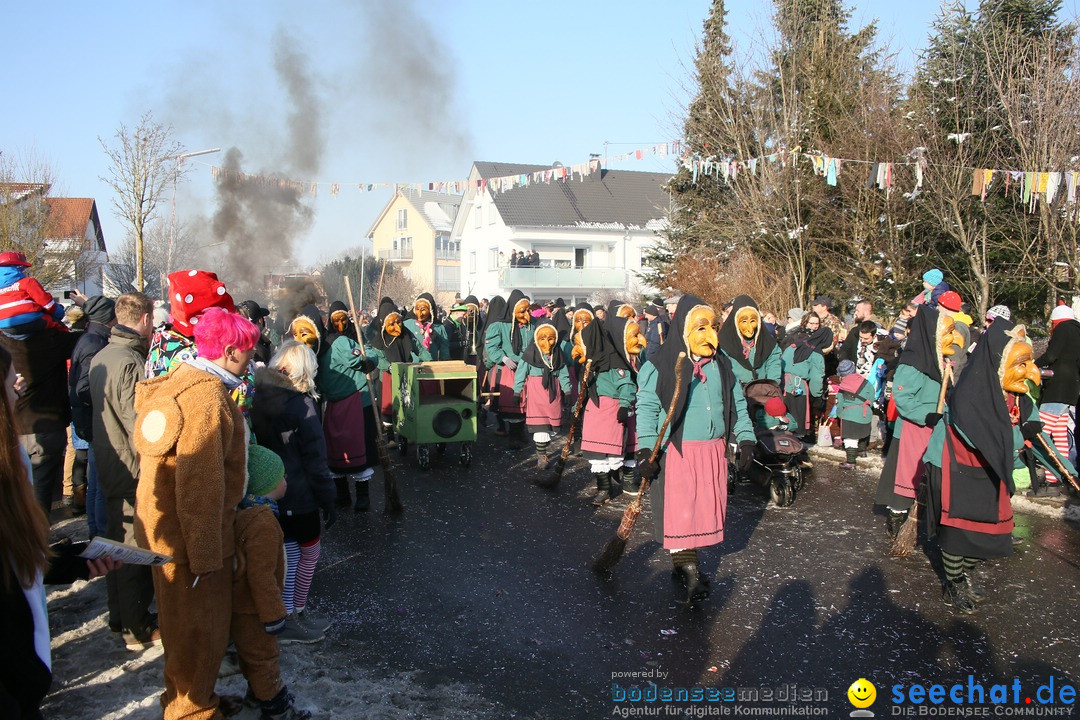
[485,580]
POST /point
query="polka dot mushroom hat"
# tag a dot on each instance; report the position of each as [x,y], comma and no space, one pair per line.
[190,293]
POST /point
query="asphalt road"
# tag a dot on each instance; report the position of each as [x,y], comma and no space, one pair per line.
[484,580]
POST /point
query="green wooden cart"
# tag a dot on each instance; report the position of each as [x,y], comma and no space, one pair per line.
[434,404]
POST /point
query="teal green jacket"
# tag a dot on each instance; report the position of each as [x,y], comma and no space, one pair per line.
[915,394]
[616,384]
[339,372]
[856,408]
[525,370]
[704,417]
[440,342]
[812,370]
[771,370]
[497,344]
[936,447]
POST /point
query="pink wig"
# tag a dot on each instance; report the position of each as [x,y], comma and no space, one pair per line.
[217,328]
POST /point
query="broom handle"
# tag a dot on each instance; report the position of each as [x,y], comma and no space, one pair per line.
[577,409]
[1061,468]
[671,409]
[363,352]
[946,376]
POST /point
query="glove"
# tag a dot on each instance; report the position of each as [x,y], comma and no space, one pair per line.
[746,455]
[275,628]
[648,469]
[623,415]
[1031,429]
[367,365]
[517,398]
[329,516]
[932,419]
[509,362]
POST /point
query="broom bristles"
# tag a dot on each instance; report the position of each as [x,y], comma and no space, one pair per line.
[904,542]
[611,554]
[393,501]
[552,480]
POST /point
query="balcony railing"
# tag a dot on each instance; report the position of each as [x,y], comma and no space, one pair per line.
[447,254]
[563,278]
[396,254]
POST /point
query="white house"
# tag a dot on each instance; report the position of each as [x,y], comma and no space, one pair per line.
[591,233]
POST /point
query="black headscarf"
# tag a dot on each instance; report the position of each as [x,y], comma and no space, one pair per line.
[665,361]
[616,330]
[614,305]
[350,329]
[535,357]
[312,313]
[806,344]
[921,351]
[977,406]
[561,324]
[731,339]
[601,349]
[508,317]
[496,310]
[399,349]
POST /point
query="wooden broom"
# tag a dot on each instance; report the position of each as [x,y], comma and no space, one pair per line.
[552,481]
[392,499]
[613,551]
[904,542]
[1060,468]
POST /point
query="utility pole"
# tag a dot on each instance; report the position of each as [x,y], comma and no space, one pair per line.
[172,220]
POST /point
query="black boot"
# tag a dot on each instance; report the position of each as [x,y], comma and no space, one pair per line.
[342,485]
[694,584]
[956,594]
[631,481]
[974,588]
[852,457]
[603,489]
[363,499]
[517,436]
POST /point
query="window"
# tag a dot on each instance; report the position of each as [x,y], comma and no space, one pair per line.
[447,278]
[402,219]
[493,258]
[472,262]
[491,215]
[478,216]
[402,247]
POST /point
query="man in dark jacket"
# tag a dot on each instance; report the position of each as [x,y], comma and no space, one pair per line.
[101,316]
[113,374]
[43,412]
[1057,409]
[657,330]
[456,332]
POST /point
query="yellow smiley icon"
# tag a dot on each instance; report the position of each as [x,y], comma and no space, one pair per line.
[862,693]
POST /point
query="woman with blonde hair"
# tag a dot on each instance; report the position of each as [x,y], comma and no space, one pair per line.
[286,420]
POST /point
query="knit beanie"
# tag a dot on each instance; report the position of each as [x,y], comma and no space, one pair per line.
[999,311]
[950,301]
[845,368]
[100,309]
[265,470]
[776,407]
[1061,312]
[933,277]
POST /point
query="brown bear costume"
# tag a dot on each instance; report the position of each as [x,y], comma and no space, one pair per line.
[192,445]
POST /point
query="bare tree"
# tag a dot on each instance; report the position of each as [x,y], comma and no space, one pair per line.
[27,223]
[142,163]
[158,259]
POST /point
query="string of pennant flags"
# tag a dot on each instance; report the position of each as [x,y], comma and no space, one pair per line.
[1030,186]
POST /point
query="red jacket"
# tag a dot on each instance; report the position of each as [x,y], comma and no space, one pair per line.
[24,301]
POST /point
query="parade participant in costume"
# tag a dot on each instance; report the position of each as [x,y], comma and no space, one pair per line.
[340,321]
[618,308]
[258,611]
[542,380]
[496,310]
[916,388]
[431,339]
[348,417]
[804,370]
[753,353]
[25,306]
[626,335]
[607,410]
[1057,404]
[854,398]
[689,498]
[972,453]
[390,343]
[456,333]
[192,444]
[505,340]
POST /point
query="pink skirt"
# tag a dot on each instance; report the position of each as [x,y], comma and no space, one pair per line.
[909,461]
[503,383]
[690,502]
[343,426]
[602,433]
[541,413]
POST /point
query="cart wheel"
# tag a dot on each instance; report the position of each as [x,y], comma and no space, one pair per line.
[798,479]
[423,456]
[780,491]
[440,448]
[466,454]
[402,445]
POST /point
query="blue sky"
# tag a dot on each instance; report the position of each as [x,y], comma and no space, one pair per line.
[402,91]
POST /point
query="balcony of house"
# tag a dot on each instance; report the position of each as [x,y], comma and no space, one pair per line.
[562,278]
[396,254]
[443,254]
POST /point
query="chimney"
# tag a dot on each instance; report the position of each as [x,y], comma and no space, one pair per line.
[595,170]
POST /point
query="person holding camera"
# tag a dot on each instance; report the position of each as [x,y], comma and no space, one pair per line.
[1060,368]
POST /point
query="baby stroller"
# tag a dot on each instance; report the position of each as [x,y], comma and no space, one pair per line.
[778,451]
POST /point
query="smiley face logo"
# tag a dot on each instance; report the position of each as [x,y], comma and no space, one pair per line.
[862,693]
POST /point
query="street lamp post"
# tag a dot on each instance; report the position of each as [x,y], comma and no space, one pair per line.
[172,216]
